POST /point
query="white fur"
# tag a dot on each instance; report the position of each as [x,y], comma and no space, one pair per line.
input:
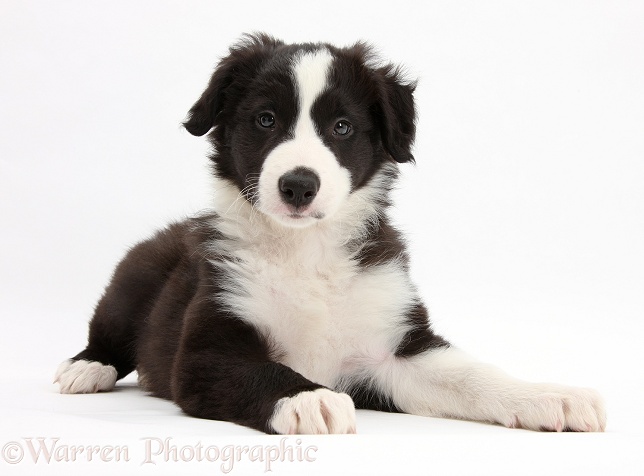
[306,149]
[82,376]
[449,383]
[317,412]
[338,324]
[300,287]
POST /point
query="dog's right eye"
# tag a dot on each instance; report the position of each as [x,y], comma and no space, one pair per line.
[266,120]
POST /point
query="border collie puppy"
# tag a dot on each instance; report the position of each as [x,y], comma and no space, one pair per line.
[291,305]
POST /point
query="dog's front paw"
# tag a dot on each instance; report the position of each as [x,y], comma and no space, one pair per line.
[320,411]
[82,376]
[558,408]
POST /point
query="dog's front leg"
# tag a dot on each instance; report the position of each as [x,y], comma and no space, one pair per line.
[224,371]
[448,383]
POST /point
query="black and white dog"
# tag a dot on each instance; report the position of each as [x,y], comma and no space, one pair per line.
[291,304]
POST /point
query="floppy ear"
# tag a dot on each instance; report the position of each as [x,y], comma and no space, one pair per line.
[397,113]
[229,80]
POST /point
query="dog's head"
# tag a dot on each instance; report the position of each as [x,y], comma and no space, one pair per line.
[299,128]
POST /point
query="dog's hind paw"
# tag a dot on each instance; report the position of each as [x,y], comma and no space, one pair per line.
[82,376]
[320,411]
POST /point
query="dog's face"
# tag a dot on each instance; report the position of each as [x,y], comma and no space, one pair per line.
[298,128]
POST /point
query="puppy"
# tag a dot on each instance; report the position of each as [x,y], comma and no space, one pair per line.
[291,304]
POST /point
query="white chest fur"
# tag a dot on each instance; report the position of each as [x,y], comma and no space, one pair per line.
[325,316]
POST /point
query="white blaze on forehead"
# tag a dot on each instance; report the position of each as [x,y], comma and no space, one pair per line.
[306,148]
[311,72]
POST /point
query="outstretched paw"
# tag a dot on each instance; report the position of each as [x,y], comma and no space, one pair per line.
[550,407]
[320,411]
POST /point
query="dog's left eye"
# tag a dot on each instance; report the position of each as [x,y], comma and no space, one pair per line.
[342,128]
[266,120]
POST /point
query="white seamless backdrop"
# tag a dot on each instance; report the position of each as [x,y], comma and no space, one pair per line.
[524,213]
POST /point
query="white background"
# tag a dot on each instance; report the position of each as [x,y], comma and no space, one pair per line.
[525,211]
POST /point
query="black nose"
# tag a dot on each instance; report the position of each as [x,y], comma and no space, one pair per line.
[299,187]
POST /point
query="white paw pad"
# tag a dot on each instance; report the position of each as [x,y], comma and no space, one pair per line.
[560,408]
[82,376]
[320,411]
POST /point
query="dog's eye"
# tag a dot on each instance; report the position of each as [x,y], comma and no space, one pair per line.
[342,128]
[266,120]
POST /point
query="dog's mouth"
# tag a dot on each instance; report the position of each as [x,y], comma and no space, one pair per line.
[299,219]
[298,216]
[295,199]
